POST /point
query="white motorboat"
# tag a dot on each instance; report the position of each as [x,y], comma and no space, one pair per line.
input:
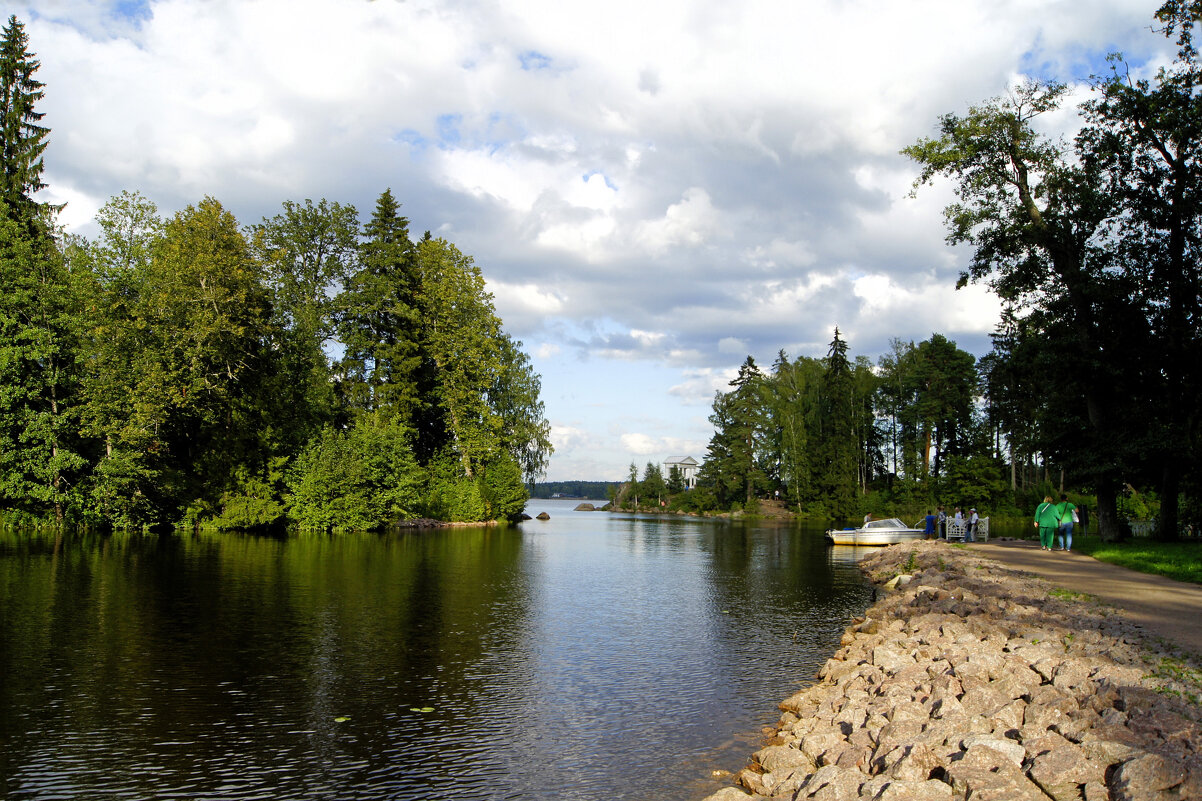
[888,531]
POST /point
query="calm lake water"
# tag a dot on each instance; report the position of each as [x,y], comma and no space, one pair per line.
[591,656]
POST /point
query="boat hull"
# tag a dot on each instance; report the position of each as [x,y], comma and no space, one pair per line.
[862,537]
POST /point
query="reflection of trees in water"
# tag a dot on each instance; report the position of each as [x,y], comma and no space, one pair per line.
[207,657]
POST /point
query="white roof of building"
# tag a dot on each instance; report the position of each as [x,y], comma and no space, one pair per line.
[681,460]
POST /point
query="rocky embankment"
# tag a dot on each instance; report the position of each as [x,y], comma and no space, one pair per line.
[972,681]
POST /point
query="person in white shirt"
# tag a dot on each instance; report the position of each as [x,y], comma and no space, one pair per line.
[970,534]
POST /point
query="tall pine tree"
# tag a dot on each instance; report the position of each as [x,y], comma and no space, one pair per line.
[22,139]
[37,323]
[838,477]
[379,322]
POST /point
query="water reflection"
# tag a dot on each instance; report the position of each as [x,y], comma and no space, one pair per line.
[589,656]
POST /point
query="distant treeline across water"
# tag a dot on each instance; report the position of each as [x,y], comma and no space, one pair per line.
[572,489]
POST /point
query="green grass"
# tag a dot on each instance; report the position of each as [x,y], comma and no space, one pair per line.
[1183,674]
[1069,595]
[1177,560]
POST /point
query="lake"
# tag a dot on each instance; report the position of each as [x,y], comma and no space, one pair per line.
[590,656]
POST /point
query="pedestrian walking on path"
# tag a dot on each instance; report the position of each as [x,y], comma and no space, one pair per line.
[1047,518]
[1068,516]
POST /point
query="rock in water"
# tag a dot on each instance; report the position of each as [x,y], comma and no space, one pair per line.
[543,516]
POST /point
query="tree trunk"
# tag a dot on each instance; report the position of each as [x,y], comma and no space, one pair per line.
[1108,514]
[57,482]
[1013,471]
[1170,485]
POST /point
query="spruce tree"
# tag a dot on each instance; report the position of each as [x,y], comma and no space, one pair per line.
[22,139]
[839,467]
[38,321]
[378,321]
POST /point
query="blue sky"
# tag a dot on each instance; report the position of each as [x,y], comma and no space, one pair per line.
[653,191]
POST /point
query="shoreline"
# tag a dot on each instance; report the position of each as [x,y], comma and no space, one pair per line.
[971,680]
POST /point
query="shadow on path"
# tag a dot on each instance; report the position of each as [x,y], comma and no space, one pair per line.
[1160,606]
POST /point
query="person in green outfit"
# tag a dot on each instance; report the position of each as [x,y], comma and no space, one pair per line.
[1047,518]
[1066,508]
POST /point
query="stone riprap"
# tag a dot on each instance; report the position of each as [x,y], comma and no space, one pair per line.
[972,681]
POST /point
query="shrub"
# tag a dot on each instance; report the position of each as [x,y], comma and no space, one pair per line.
[357,479]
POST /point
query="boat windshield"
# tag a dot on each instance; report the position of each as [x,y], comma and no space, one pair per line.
[891,522]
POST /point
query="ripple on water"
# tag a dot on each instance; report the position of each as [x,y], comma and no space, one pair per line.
[557,662]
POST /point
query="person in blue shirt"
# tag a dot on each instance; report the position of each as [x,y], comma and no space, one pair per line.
[930,532]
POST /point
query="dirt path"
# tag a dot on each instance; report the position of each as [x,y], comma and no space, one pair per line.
[1161,606]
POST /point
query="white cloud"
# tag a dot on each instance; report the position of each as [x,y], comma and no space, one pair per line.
[514,300]
[716,180]
[699,386]
[689,223]
[640,444]
[732,345]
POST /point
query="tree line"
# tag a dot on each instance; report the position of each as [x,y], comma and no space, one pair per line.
[1094,248]
[1096,369]
[304,370]
[837,436]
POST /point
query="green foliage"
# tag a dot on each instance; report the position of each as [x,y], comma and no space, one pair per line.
[502,489]
[525,432]
[362,478]
[379,319]
[452,495]
[22,139]
[975,479]
[1136,505]
[676,482]
[838,479]
[653,487]
[39,453]
[695,501]
[734,461]
[257,500]
[304,252]
[1095,249]
[173,371]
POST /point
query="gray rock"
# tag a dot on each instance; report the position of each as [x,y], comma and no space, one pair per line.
[832,783]
[815,744]
[780,758]
[927,790]
[1063,771]
[728,794]
[987,774]
[1147,777]
[916,764]
[1008,748]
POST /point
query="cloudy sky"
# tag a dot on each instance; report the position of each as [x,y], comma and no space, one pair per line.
[653,190]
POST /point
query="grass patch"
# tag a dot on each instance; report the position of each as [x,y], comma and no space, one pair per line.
[1187,677]
[1177,560]
[1069,595]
